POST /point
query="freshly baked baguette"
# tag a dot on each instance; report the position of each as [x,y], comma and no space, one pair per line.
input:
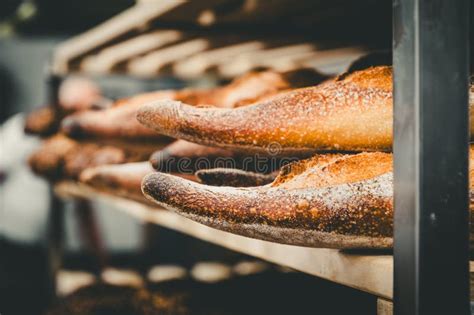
[48,160]
[252,87]
[120,179]
[42,121]
[350,113]
[117,121]
[123,179]
[90,155]
[120,121]
[61,157]
[337,201]
[77,94]
[74,95]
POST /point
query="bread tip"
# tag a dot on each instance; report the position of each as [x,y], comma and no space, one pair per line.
[149,184]
[164,189]
[156,113]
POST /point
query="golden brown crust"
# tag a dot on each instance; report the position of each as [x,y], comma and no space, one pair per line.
[318,173]
[371,78]
[323,201]
[353,113]
[291,170]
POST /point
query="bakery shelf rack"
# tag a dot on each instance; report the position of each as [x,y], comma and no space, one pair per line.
[431,70]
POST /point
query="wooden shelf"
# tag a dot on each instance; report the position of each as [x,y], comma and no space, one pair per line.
[367,272]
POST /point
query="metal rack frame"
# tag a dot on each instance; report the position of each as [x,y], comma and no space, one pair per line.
[431,135]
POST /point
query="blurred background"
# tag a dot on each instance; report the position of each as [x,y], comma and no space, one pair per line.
[114,44]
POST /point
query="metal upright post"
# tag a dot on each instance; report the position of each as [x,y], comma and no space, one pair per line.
[56,211]
[430,46]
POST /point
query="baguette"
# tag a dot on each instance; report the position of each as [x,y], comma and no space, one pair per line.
[120,121]
[60,157]
[42,121]
[117,121]
[350,113]
[338,201]
[77,94]
[254,86]
[74,95]
[90,155]
[48,159]
[120,179]
[123,180]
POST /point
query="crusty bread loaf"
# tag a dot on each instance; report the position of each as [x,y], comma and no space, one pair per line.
[77,94]
[90,155]
[117,121]
[120,179]
[42,121]
[350,113]
[120,121]
[340,201]
[48,160]
[60,157]
[74,95]
[251,87]
[123,179]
